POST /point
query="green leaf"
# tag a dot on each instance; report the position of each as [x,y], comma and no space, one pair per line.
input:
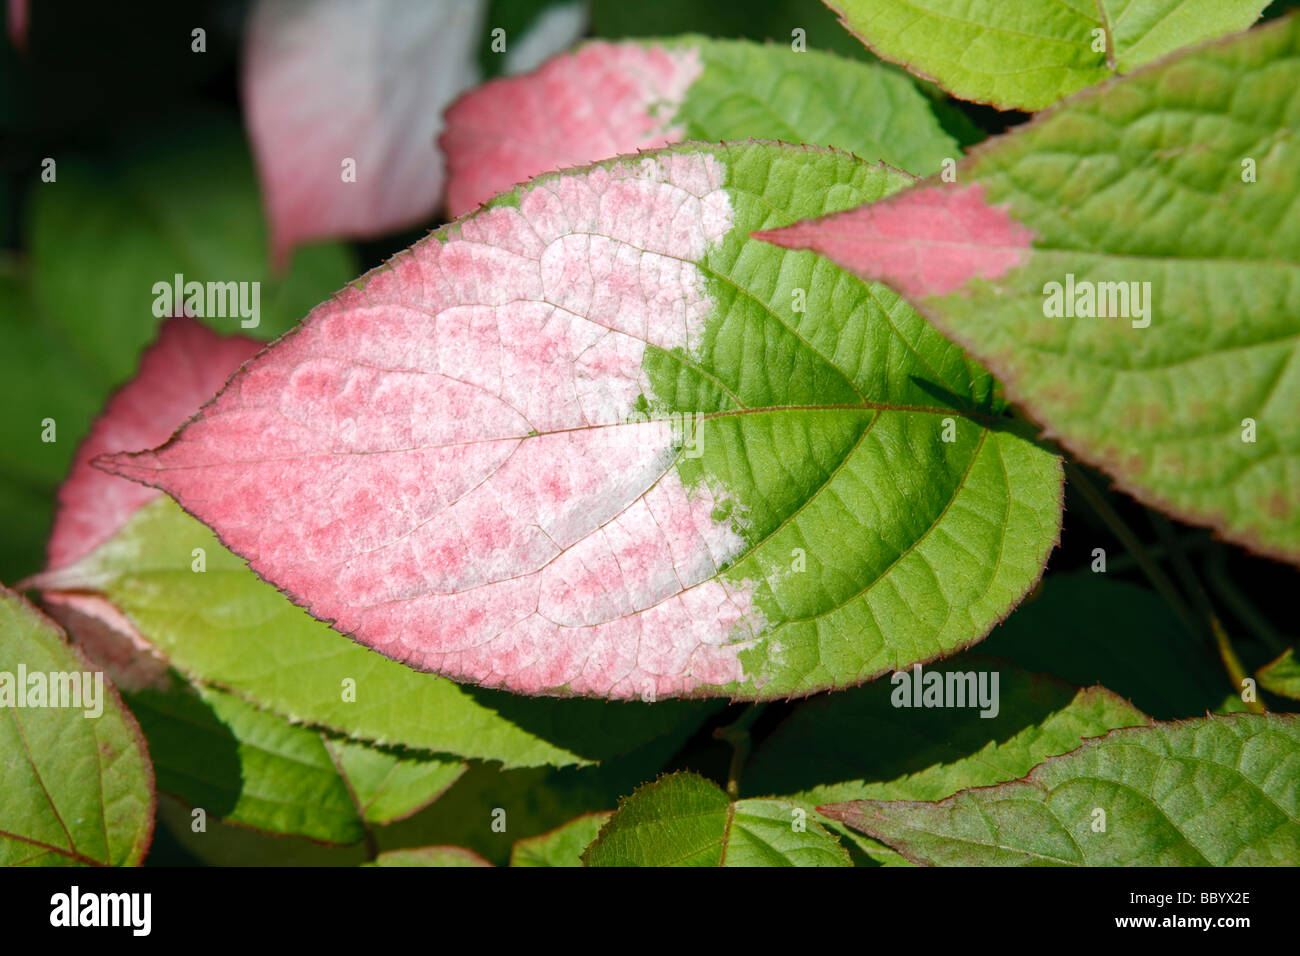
[246,766]
[1217,791]
[745,90]
[562,846]
[684,820]
[76,788]
[1094,629]
[251,767]
[1184,390]
[388,786]
[490,809]
[860,744]
[1282,676]
[666,90]
[845,495]
[216,627]
[1027,56]
[430,856]
[47,392]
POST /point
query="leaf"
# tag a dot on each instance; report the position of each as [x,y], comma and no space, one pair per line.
[144,590]
[1217,791]
[1137,182]
[582,443]
[1028,56]
[490,809]
[562,846]
[245,765]
[41,381]
[251,767]
[227,844]
[1094,629]
[1282,676]
[684,820]
[389,786]
[328,83]
[861,744]
[430,856]
[76,788]
[611,98]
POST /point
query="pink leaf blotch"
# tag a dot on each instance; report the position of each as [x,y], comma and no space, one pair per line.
[186,366]
[603,100]
[930,240]
[447,461]
[344,102]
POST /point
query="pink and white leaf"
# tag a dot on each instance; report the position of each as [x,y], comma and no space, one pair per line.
[447,461]
[602,100]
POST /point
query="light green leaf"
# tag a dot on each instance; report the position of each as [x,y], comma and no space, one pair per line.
[1028,55]
[430,856]
[1218,791]
[75,789]
[684,820]
[860,744]
[1129,266]
[562,846]
[1282,676]
[746,90]
[387,786]
[227,628]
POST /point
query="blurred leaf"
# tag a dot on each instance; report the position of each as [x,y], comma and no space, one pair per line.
[430,856]
[1282,676]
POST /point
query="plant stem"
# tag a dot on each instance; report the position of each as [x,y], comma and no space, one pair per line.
[1240,605]
[1192,584]
[737,734]
[1110,517]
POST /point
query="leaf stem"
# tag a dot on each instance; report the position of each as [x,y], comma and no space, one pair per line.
[1192,584]
[1216,572]
[1110,517]
[737,734]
